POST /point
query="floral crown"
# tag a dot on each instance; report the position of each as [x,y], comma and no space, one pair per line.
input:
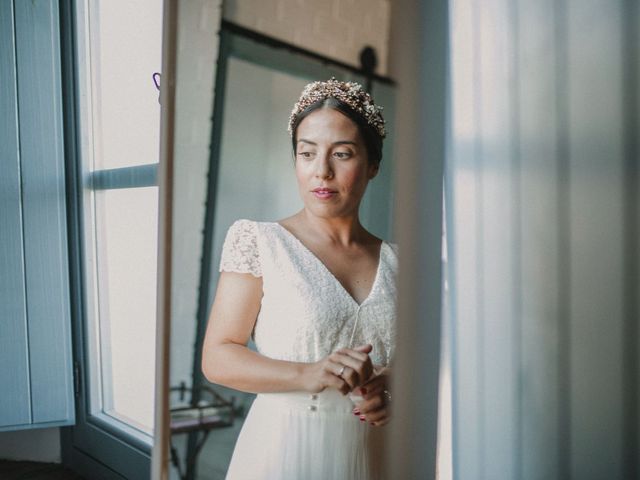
[350,93]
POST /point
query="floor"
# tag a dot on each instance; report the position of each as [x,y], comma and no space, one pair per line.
[212,461]
[35,471]
[215,455]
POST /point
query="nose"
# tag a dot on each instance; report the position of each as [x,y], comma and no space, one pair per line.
[323,167]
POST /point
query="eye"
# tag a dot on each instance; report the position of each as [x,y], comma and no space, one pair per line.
[305,154]
[342,155]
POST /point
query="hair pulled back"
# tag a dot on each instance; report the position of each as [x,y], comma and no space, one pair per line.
[371,138]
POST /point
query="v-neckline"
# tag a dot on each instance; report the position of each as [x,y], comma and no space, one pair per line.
[326,269]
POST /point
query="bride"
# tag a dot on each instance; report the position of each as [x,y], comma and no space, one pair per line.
[316,292]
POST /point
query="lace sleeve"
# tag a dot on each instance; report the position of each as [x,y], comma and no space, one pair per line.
[240,249]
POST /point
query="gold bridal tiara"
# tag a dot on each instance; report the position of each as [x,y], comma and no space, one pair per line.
[350,93]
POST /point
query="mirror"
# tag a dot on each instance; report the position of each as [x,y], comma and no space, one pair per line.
[257,83]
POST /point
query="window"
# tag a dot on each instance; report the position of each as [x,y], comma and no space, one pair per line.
[117,128]
[119,159]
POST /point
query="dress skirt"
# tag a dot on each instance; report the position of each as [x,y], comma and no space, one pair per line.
[294,436]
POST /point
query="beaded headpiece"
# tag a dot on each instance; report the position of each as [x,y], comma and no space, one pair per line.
[350,93]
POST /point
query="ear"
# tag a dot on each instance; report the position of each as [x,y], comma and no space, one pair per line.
[373,171]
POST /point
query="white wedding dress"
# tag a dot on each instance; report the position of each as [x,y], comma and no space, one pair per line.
[305,315]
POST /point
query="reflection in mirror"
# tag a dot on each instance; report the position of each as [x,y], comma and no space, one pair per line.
[251,175]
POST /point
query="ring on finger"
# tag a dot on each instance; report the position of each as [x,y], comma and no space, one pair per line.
[387,395]
[341,371]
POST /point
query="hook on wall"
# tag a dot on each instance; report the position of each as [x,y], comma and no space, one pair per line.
[156,80]
[368,64]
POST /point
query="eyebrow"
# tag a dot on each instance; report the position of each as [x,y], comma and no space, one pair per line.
[339,142]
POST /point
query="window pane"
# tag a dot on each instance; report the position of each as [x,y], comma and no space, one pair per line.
[125,52]
[122,121]
[127,230]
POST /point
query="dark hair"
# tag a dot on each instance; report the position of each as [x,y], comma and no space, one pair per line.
[372,140]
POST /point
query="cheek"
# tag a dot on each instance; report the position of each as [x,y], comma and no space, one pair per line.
[301,175]
[354,178]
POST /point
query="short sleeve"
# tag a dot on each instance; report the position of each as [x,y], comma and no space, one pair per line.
[240,249]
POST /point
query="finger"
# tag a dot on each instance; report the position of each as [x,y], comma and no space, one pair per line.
[335,376]
[375,381]
[360,356]
[373,389]
[358,368]
[345,388]
[366,368]
[381,422]
[364,360]
[351,377]
[371,405]
[380,415]
[334,368]
[367,348]
[343,372]
[333,381]
[348,360]
[376,416]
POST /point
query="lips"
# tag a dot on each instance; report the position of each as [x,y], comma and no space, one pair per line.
[323,193]
[323,190]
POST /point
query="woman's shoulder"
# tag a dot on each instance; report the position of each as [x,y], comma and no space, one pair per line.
[245,233]
[392,256]
[243,223]
[247,223]
[241,228]
[255,229]
[240,252]
[393,246]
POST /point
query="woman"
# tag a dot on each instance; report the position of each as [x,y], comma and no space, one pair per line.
[317,293]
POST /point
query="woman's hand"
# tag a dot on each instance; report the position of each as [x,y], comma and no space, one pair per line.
[374,407]
[344,370]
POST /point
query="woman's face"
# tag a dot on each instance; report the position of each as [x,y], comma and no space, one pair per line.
[331,164]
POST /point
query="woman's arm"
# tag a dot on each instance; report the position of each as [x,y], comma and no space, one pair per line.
[227,361]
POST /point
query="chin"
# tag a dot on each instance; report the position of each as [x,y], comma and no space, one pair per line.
[329,211]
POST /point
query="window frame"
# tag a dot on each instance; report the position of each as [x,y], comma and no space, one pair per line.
[99,443]
[240,43]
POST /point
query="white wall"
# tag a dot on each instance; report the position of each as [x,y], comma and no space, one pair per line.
[338,29]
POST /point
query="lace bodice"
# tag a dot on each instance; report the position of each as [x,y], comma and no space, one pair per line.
[305,312]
